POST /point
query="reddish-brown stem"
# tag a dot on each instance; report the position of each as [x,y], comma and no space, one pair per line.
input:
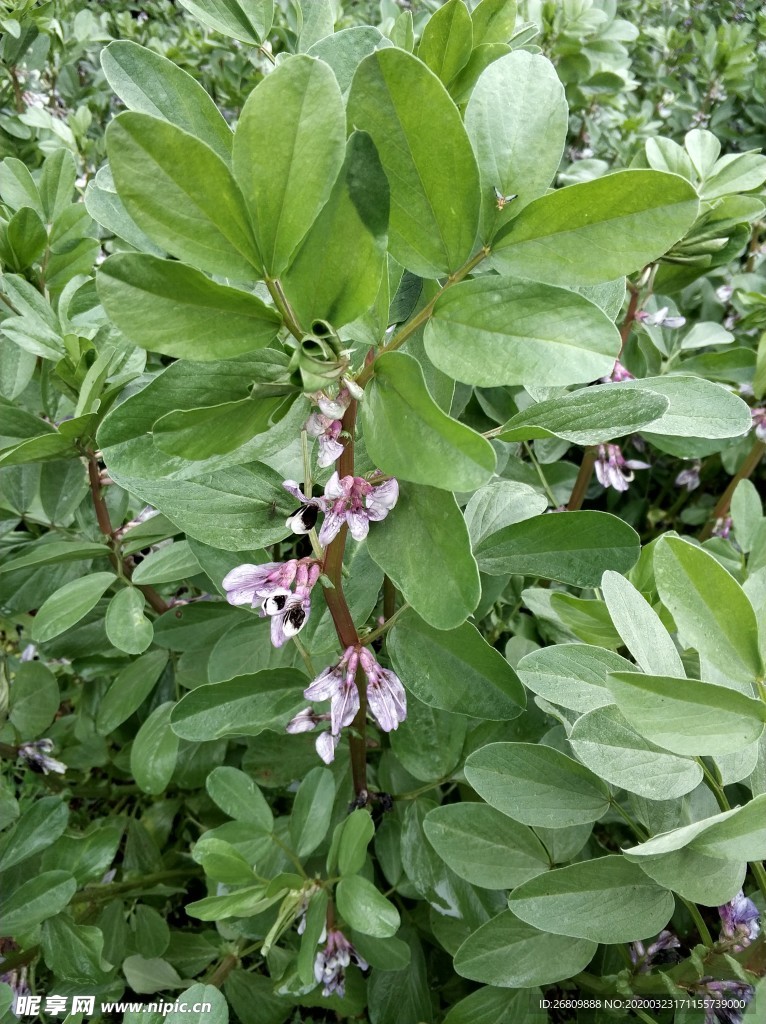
[341,614]
[630,316]
[745,471]
[105,525]
[580,488]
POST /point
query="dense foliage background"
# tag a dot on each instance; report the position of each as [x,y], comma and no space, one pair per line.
[522,305]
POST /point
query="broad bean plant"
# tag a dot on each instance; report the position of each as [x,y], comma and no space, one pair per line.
[324,697]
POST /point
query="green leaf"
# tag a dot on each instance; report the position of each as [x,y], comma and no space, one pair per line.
[34,901]
[429,743]
[246,20]
[149,83]
[423,547]
[572,675]
[500,504]
[170,308]
[607,899]
[346,49]
[746,514]
[622,221]
[447,40]
[154,751]
[640,627]
[698,409]
[26,238]
[321,281]
[315,927]
[493,331]
[409,436]
[69,604]
[129,689]
[536,785]
[299,110]
[488,1005]
[221,861]
[509,953]
[366,909]
[711,611]
[493,21]
[485,847]
[312,810]
[572,547]
[428,161]
[200,995]
[455,670]
[245,706]
[239,797]
[356,833]
[589,416]
[182,194]
[168,564]
[517,122]
[695,875]
[34,699]
[127,627]
[687,716]
[74,951]
[37,829]
[605,743]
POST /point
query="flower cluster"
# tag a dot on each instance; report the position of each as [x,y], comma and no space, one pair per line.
[350,500]
[386,699]
[613,469]
[740,922]
[325,425]
[269,585]
[331,962]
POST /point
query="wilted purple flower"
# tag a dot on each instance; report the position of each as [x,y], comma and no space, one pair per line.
[660,318]
[386,697]
[740,920]
[643,956]
[331,963]
[327,431]
[351,500]
[689,477]
[613,469]
[719,998]
[759,422]
[722,527]
[338,685]
[35,754]
[251,584]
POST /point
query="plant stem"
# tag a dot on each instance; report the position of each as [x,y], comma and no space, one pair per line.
[583,480]
[546,487]
[759,875]
[341,616]
[417,321]
[105,525]
[746,470]
[630,317]
[702,928]
[280,301]
[370,637]
[111,889]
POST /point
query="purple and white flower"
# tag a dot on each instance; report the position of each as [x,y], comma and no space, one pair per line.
[660,319]
[331,962]
[613,469]
[350,500]
[722,527]
[643,956]
[759,422]
[740,921]
[386,697]
[270,585]
[36,755]
[338,685]
[619,373]
[251,584]
[689,477]
[327,431]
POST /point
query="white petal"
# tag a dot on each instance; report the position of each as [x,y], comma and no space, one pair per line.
[333,489]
